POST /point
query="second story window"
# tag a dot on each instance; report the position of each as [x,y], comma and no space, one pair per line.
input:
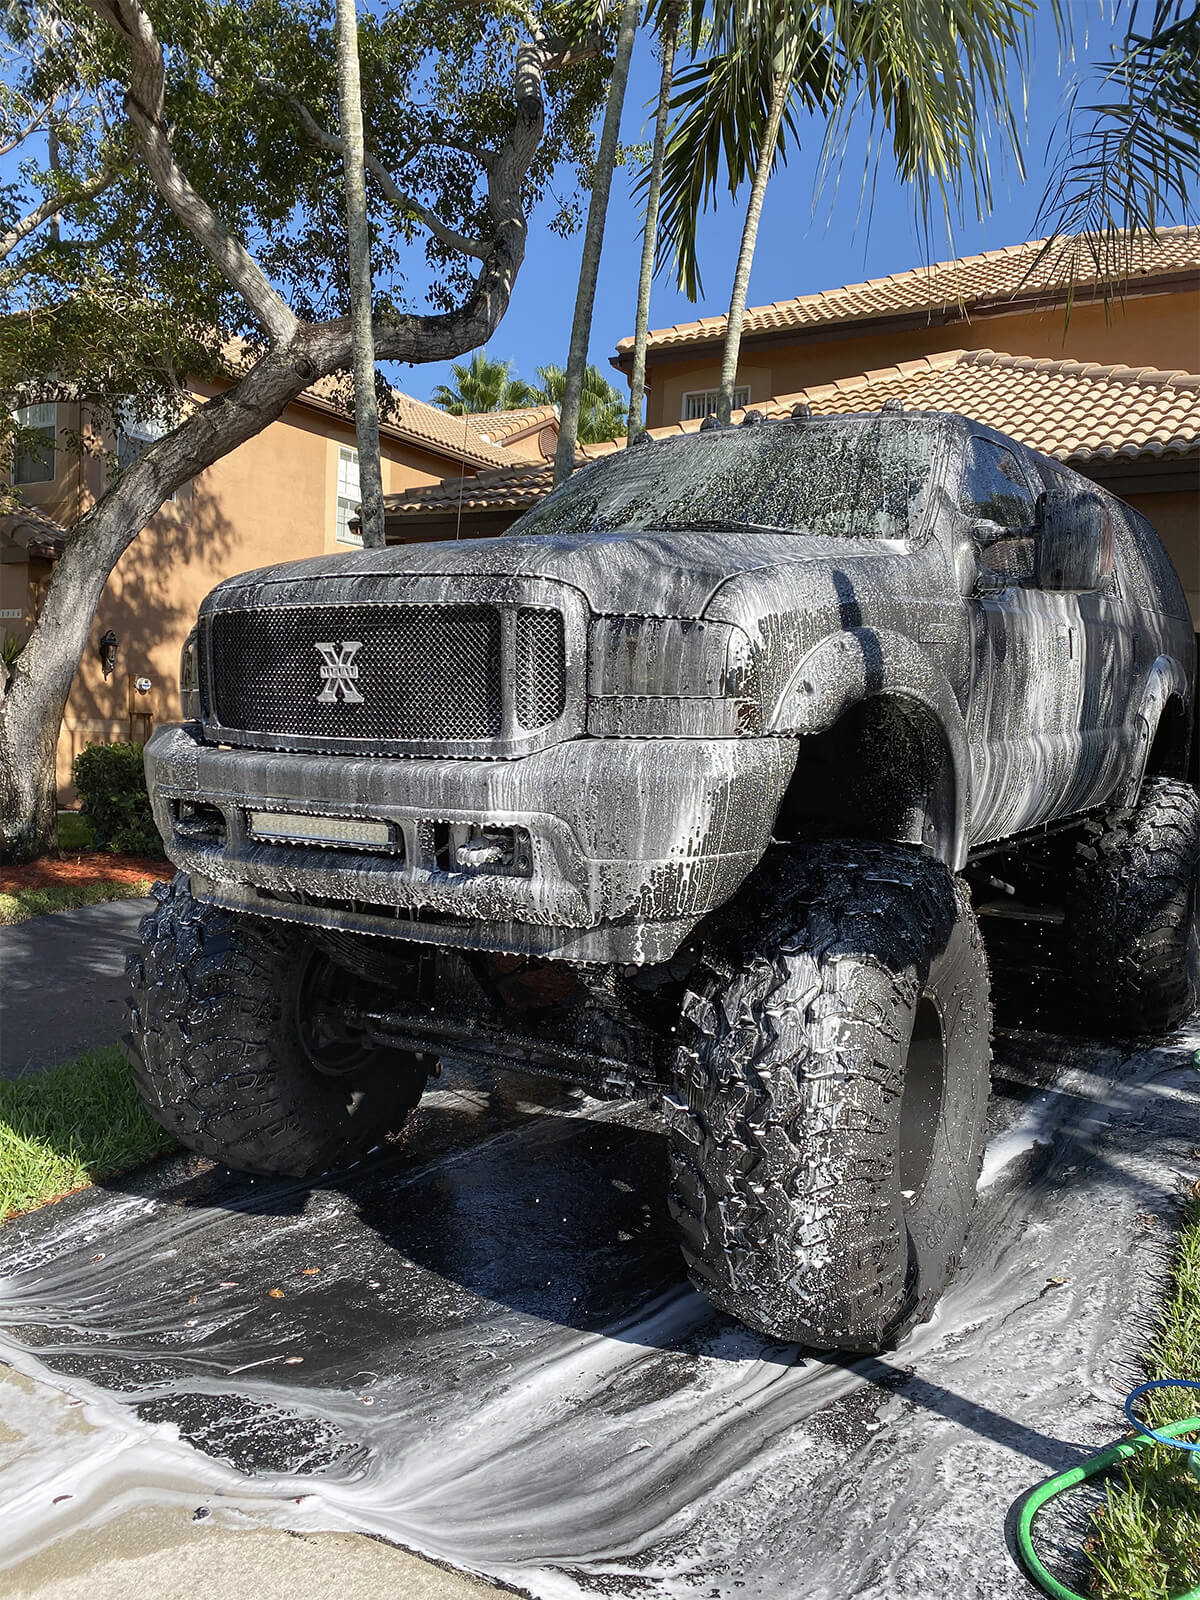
[348,494]
[700,402]
[135,434]
[33,461]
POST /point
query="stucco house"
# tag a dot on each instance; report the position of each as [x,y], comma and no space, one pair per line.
[290,492]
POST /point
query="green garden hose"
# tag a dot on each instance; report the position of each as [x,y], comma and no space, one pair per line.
[1069,1480]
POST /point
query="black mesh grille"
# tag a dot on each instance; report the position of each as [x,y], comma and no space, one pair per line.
[540,687]
[426,674]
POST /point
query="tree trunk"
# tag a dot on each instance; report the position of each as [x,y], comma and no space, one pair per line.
[668,40]
[366,412]
[780,86]
[32,706]
[593,243]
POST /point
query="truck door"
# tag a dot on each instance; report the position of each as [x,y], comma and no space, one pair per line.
[1025,715]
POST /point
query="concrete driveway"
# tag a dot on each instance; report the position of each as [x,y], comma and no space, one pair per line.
[62,983]
[481,1347]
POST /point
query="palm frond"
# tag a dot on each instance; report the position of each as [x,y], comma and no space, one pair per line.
[1132,158]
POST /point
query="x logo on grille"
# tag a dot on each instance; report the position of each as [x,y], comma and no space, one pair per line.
[338,671]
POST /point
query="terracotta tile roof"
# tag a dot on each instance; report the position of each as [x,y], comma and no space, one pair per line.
[1074,410]
[33,531]
[497,426]
[415,421]
[517,485]
[978,283]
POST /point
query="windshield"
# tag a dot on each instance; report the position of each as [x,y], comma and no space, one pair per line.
[845,478]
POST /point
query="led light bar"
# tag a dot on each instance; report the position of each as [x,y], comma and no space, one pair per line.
[298,827]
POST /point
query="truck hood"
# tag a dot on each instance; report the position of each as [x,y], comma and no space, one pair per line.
[645,574]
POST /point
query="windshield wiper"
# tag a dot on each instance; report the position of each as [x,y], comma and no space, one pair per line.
[718,525]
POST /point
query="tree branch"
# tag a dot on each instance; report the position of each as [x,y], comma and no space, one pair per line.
[450,237]
[144,106]
[51,207]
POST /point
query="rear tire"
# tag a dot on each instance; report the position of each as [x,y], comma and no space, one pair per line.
[827,1122]
[1132,930]
[230,1052]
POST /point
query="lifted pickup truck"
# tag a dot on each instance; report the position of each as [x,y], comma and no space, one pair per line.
[684,788]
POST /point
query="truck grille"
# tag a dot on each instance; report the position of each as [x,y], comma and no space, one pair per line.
[414,675]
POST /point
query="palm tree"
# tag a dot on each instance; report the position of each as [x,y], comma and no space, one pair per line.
[483,384]
[366,413]
[1132,158]
[593,243]
[601,407]
[931,72]
[668,42]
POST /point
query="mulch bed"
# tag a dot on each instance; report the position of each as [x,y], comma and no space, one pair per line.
[92,866]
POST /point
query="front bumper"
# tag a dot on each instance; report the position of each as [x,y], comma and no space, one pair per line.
[625,843]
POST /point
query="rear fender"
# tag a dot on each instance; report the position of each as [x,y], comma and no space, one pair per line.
[1165,680]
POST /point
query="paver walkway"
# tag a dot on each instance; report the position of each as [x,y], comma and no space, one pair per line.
[62,983]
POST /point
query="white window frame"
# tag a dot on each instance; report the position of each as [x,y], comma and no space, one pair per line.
[347,496]
[708,402]
[44,417]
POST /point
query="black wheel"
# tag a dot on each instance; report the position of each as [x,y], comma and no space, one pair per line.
[1132,929]
[237,1048]
[827,1123]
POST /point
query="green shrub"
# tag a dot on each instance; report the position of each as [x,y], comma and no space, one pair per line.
[112,786]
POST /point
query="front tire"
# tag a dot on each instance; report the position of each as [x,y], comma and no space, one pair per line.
[230,1051]
[827,1122]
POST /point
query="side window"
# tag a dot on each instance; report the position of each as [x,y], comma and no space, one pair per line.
[994,490]
[994,486]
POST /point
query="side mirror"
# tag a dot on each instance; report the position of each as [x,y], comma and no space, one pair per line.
[1075,544]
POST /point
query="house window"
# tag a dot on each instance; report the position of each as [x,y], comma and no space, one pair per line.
[34,462]
[348,494]
[135,435]
[699,402]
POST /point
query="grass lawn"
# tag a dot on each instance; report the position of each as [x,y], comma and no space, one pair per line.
[66,1127]
[1145,1542]
[22,903]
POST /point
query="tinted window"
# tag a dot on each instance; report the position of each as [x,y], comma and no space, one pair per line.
[853,478]
[994,486]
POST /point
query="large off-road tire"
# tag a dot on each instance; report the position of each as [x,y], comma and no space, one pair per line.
[827,1122]
[1132,928]
[230,1051]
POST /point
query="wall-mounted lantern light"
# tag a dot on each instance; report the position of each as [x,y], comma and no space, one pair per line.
[109,647]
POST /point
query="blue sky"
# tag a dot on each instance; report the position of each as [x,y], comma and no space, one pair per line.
[803,245]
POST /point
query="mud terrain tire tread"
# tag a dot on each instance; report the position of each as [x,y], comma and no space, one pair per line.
[215,1055]
[784,1122]
[1131,909]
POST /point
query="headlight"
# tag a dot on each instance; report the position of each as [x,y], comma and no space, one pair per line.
[668,677]
[189,680]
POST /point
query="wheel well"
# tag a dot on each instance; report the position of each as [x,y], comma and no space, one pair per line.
[883,770]
[1168,756]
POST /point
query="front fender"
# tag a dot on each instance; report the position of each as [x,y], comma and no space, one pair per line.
[858,663]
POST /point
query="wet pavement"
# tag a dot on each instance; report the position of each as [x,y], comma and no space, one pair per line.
[63,985]
[481,1347]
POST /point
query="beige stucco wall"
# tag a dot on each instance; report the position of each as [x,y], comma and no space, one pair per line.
[1176,516]
[1144,331]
